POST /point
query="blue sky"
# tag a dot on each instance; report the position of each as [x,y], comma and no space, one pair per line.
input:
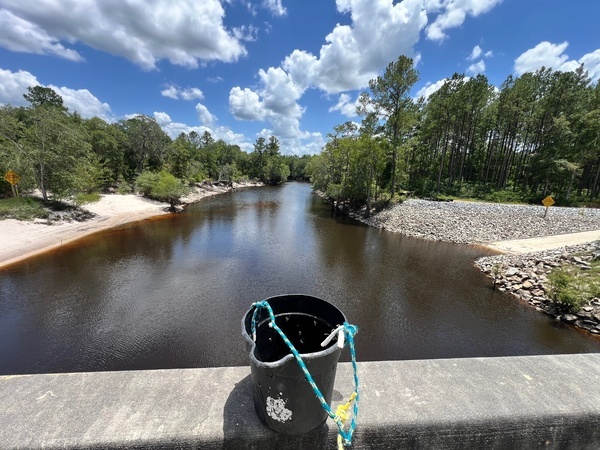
[294,69]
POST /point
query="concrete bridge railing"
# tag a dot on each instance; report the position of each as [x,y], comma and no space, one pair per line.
[498,403]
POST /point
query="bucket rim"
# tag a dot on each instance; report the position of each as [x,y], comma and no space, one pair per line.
[329,349]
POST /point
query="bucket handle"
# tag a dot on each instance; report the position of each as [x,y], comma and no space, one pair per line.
[340,340]
[345,332]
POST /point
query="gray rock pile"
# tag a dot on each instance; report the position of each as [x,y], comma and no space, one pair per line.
[470,223]
[525,276]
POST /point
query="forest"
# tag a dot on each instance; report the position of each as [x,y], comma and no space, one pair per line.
[536,135]
[67,157]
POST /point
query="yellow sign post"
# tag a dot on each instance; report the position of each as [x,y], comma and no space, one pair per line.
[547,202]
[13,179]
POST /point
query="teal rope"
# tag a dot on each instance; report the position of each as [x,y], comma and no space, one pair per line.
[349,331]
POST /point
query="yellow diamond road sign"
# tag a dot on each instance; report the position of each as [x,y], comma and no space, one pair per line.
[12,177]
[548,201]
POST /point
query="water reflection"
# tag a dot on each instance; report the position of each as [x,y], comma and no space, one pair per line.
[171,292]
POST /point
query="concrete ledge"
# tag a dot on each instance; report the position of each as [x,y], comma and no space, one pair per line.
[515,402]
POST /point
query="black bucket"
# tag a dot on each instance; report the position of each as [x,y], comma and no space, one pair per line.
[283,399]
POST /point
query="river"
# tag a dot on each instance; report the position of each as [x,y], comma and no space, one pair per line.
[171,292]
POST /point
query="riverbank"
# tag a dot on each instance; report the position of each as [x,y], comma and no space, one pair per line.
[525,276]
[483,223]
[534,243]
[20,240]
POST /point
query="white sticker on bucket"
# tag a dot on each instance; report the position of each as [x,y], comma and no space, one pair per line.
[276,410]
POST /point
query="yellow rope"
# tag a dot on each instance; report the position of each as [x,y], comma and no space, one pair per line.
[341,413]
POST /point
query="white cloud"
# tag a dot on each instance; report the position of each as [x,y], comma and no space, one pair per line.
[161,118]
[191,94]
[345,106]
[544,54]
[175,92]
[171,91]
[453,14]
[591,62]
[275,7]
[186,32]
[13,85]
[430,88]
[379,32]
[549,55]
[476,68]
[19,35]
[245,33]
[276,101]
[206,118]
[476,53]
[82,101]
[245,104]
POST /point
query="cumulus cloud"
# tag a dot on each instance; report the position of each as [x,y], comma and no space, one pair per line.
[544,54]
[82,101]
[276,101]
[245,104]
[205,116]
[452,13]
[430,88]
[547,54]
[175,92]
[591,62]
[186,32]
[346,106]
[476,68]
[13,85]
[19,35]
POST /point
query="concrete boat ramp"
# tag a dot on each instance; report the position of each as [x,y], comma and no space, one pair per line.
[519,246]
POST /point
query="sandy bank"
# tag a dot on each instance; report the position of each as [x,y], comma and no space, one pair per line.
[20,240]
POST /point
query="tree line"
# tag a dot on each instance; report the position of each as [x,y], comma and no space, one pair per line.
[536,135]
[62,154]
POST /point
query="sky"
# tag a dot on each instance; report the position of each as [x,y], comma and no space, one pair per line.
[243,69]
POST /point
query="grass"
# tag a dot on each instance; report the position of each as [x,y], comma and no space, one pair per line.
[23,208]
[82,199]
[572,288]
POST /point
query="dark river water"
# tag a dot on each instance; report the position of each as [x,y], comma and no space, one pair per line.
[171,292]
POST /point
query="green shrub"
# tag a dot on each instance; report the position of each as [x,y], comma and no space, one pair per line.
[145,182]
[161,186]
[568,289]
[82,199]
